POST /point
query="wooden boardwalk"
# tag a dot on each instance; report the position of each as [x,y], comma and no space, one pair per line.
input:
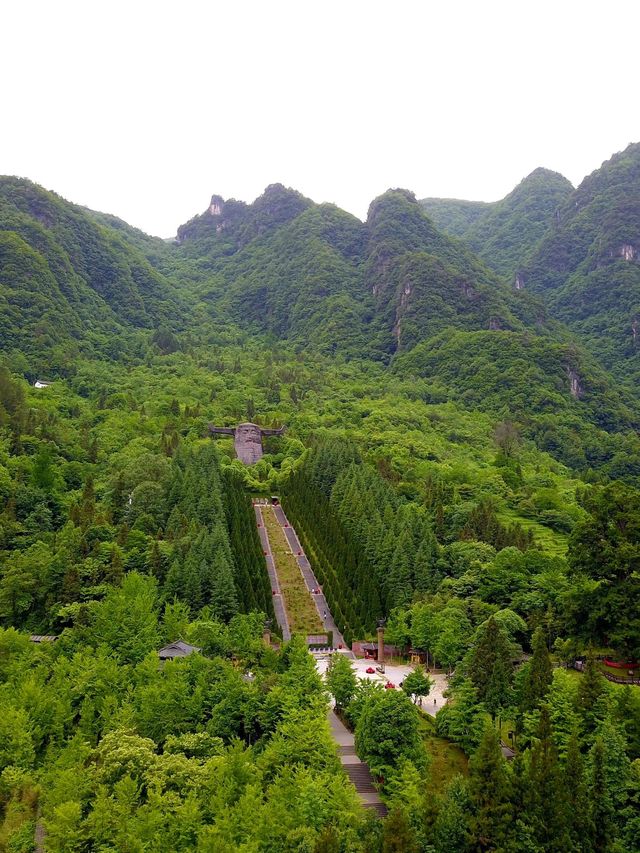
[357,771]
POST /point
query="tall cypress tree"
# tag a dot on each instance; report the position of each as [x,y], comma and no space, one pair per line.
[600,797]
[539,674]
[490,791]
[451,828]
[590,690]
[398,834]
[547,805]
[491,667]
[579,823]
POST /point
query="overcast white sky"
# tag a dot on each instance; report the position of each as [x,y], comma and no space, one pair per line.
[144,109]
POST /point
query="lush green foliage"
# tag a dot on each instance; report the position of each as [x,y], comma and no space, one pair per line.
[190,755]
[341,680]
[443,492]
[452,215]
[95,495]
[69,285]
[504,233]
[582,269]
[604,555]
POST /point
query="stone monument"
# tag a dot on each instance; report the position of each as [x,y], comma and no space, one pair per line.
[247,440]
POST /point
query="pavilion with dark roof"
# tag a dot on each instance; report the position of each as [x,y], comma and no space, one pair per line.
[179,649]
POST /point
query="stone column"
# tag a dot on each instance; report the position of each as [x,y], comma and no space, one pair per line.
[381,625]
[266,633]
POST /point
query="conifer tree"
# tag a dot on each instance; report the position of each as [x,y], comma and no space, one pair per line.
[224,601]
[490,792]
[451,827]
[590,691]
[547,807]
[425,578]
[87,504]
[602,817]
[398,834]
[491,668]
[399,579]
[156,563]
[578,813]
[539,673]
[116,567]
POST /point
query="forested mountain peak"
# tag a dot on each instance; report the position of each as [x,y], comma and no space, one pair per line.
[542,175]
[423,280]
[243,222]
[541,192]
[587,268]
[504,233]
[70,281]
[507,233]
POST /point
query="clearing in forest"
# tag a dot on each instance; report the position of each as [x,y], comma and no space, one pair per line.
[301,609]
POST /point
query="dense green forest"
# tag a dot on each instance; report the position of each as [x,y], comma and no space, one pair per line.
[578,250]
[503,233]
[461,460]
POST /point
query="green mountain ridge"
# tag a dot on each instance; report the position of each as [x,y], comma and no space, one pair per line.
[316,274]
[576,249]
[504,233]
[423,280]
[587,268]
[67,281]
[394,287]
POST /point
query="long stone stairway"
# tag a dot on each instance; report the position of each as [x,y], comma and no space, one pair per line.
[310,579]
[357,771]
[278,602]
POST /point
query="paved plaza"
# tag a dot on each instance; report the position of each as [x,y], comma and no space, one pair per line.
[395,673]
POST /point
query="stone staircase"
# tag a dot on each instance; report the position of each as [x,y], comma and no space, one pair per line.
[356,770]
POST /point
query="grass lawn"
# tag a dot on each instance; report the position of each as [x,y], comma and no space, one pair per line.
[620,672]
[301,610]
[573,673]
[446,759]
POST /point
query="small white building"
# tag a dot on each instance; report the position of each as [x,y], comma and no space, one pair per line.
[40,384]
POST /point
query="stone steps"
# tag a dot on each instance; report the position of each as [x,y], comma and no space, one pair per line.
[358,772]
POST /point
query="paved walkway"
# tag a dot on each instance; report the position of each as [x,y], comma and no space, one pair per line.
[278,601]
[357,771]
[309,578]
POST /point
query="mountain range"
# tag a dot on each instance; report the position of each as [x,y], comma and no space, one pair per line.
[529,305]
